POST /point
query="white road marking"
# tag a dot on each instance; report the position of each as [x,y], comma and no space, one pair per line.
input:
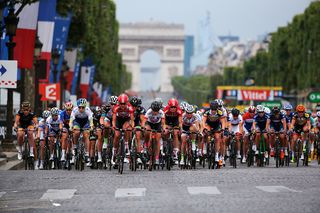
[58,194]
[56,204]
[276,189]
[207,190]
[130,192]
[2,193]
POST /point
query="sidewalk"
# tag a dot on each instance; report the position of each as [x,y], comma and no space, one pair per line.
[11,162]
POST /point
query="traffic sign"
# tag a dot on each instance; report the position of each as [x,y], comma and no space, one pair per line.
[314,97]
[271,104]
[8,74]
[49,92]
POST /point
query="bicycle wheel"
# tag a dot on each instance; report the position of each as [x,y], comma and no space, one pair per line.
[121,157]
[277,154]
[168,154]
[26,154]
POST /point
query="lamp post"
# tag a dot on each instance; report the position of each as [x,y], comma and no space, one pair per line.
[55,58]
[64,70]
[37,52]
[11,22]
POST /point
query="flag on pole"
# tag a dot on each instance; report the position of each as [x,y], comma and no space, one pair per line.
[71,58]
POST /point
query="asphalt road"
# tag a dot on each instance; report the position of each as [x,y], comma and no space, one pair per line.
[226,190]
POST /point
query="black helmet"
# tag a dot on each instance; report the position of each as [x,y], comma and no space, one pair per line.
[214,105]
[235,112]
[135,101]
[275,109]
[26,104]
[155,106]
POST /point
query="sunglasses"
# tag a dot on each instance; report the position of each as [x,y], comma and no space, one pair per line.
[81,107]
[122,104]
[173,107]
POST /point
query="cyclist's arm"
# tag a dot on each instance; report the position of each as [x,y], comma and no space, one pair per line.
[180,121]
[101,121]
[284,124]
[293,122]
[204,120]
[114,119]
[17,121]
[131,120]
[309,125]
[268,125]
[142,119]
[223,122]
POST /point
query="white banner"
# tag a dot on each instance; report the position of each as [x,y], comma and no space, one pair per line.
[8,74]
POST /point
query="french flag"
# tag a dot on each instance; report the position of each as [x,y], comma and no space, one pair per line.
[47,12]
[85,80]
[26,35]
[71,58]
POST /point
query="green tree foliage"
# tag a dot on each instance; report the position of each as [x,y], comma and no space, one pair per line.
[292,61]
[94,28]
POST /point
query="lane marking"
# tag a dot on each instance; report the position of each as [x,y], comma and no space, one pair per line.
[2,193]
[58,194]
[56,204]
[273,189]
[207,190]
[130,192]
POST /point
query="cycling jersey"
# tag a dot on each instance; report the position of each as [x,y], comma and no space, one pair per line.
[312,122]
[235,127]
[25,120]
[54,124]
[137,113]
[187,121]
[81,119]
[65,118]
[154,119]
[172,118]
[107,115]
[213,119]
[248,121]
[276,122]
[289,118]
[96,119]
[261,121]
[122,114]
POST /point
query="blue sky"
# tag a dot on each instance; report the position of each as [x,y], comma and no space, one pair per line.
[245,18]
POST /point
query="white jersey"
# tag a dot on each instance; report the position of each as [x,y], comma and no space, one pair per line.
[42,123]
[54,124]
[189,121]
[86,114]
[235,127]
[154,118]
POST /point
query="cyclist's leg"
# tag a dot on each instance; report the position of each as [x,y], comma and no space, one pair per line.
[157,147]
[176,145]
[183,145]
[271,140]
[257,141]
[138,138]
[245,146]
[99,145]
[293,145]
[52,136]
[218,138]
[64,137]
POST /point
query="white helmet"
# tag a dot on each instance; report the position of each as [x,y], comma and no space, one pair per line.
[113,99]
[318,114]
[220,102]
[260,108]
[267,110]
[189,108]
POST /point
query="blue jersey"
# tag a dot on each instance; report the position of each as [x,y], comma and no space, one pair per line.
[65,118]
[276,121]
[261,121]
[289,118]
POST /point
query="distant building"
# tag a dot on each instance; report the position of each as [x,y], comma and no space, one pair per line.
[228,38]
[188,53]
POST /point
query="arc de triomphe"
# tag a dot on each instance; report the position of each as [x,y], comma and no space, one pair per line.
[166,39]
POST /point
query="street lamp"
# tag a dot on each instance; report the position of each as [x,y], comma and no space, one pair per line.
[37,52]
[55,59]
[11,22]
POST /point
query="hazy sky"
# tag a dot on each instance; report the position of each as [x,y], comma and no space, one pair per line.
[245,18]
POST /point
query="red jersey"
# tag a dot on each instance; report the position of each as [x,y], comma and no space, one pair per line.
[123,112]
[177,113]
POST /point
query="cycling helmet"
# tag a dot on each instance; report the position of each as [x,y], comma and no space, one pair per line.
[155,106]
[318,114]
[105,108]
[235,112]
[98,109]
[287,107]
[123,98]
[55,111]
[173,102]
[26,104]
[46,114]
[220,102]
[189,109]
[159,100]
[113,99]
[267,110]
[260,108]
[283,112]
[300,108]
[275,109]
[214,105]
[184,105]
[82,102]
[134,101]
[252,109]
[68,105]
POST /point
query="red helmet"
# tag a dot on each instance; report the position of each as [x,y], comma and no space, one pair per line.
[173,102]
[252,109]
[123,99]
[300,108]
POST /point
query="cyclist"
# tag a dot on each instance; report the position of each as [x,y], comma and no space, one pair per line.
[154,121]
[95,135]
[139,112]
[42,132]
[122,118]
[300,123]
[234,122]
[214,121]
[277,123]
[81,118]
[173,120]
[259,125]
[183,106]
[65,118]
[25,119]
[247,124]
[106,118]
[190,124]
